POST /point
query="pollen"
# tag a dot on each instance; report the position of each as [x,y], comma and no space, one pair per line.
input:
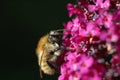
[106,19]
[83,65]
[91,38]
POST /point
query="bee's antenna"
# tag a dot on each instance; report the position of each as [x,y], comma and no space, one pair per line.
[57,32]
[59,29]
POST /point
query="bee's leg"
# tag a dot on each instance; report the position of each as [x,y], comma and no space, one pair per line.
[40,75]
[52,64]
[60,30]
[40,61]
[53,59]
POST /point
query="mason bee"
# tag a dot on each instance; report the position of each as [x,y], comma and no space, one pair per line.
[48,51]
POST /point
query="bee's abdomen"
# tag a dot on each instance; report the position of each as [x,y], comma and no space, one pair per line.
[46,68]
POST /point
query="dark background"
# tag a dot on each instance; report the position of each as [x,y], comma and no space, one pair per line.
[22,23]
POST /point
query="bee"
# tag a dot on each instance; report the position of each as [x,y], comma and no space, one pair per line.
[48,51]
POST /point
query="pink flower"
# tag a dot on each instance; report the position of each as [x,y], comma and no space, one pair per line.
[75,76]
[71,9]
[116,63]
[63,77]
[85,63]
[71,56]
[69,26]
[116,60]
[76,26]
[74,10]
[103,4]
[105,19]
[99,4]
[93,29]
[116,17]
[92,75]
[109,37]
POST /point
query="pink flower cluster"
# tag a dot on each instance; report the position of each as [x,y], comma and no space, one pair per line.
[92,41]
[81,67]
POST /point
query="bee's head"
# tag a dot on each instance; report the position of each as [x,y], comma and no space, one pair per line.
[55,36]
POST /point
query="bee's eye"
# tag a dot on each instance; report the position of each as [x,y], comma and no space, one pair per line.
[52,38]
[54,33]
